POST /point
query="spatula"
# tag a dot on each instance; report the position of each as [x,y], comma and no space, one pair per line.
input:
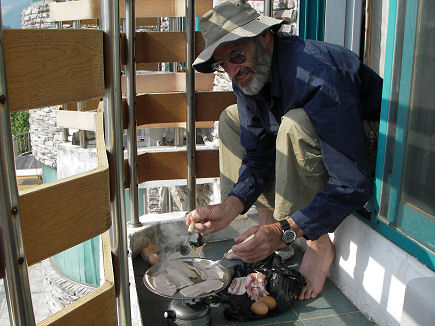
[217,262]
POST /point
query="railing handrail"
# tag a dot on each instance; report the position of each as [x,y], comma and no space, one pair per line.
[20,150]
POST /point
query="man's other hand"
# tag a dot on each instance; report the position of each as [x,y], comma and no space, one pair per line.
[212,218]
[267,240]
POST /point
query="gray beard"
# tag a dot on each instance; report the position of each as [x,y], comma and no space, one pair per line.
[260,71]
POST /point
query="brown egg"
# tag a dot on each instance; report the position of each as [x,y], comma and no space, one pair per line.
[271,302]
[152,246]
[259,308]
[146,252]
[154,259]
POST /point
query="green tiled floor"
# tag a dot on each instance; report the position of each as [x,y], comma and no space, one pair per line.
[330,308]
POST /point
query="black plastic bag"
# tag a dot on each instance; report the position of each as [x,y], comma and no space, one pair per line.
[283,284]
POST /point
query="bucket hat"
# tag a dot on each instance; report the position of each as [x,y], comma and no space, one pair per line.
[230,21]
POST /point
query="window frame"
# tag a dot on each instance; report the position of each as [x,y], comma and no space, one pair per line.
[398,69]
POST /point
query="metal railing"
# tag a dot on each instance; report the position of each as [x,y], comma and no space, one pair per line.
[22,144]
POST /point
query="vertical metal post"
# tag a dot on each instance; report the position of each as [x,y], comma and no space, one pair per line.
[115,153]
[179,137]
[11,237]
[130,74]
[172,25]
[268,7]
[64,130]
[190,105]
[80,105]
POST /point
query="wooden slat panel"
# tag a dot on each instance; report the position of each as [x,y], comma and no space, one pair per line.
[169,82]
[207,164]
[58,215]
[49,67]
[171,107]
[173,165]
[209,105]
[162,46]
[90,9]
[159,108]
[146,21]
[151,66]
[96,308]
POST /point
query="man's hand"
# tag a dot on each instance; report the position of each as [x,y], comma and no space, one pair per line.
[267,240]
[212,218]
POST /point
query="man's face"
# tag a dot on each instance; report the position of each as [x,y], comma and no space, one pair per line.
[252,74]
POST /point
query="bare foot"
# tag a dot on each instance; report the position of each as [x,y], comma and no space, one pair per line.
[315,265]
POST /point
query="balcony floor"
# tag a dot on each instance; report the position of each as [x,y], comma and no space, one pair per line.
[330,308]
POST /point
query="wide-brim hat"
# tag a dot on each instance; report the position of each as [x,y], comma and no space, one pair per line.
[230,21]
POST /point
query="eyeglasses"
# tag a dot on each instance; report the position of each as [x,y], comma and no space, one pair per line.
[237,57]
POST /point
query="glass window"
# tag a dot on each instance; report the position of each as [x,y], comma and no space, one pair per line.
[407,200]
[419,169]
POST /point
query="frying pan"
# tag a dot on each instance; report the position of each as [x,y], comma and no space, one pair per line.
[154,270]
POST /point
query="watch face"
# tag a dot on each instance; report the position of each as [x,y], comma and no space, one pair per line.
[288,236]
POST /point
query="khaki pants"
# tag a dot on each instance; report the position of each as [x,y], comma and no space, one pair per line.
[299,170]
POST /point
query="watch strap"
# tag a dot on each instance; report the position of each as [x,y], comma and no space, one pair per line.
[285,225]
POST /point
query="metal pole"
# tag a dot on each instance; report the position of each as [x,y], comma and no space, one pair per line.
[64,130]
[130,73]
[268,6]
[11,237]
[80,105]
[190,105]
[115,153]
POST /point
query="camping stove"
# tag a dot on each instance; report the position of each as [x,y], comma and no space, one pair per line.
[183,310]
[189,312]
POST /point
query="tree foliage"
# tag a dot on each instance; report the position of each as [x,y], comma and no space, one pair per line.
[19,122]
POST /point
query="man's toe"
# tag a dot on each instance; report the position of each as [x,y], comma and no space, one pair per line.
[305,293]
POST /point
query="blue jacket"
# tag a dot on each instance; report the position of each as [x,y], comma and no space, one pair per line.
[337,92]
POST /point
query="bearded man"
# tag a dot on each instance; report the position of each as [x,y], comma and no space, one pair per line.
[294,144]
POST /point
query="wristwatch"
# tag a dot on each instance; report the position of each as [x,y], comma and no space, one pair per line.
[288,235]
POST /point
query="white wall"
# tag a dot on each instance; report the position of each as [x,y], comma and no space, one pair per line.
[373,272]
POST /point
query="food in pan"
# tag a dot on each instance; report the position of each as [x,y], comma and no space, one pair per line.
[201,288]
[191,278]
[207,274]
[164,285]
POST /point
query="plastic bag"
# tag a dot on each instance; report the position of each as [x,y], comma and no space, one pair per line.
[283,284]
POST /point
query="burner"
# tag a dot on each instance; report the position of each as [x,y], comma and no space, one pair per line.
[189,312]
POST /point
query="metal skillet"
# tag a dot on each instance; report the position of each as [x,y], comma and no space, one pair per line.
[154,270]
